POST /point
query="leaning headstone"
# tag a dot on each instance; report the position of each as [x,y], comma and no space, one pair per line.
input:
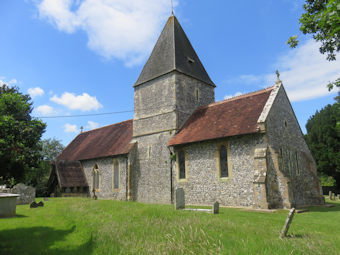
[216,208]
[179,199]
[26,193]
[34,205]
[287,223]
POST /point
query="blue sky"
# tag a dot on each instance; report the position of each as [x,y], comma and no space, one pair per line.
[82,57]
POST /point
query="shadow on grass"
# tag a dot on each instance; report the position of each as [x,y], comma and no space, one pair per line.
[336,208]
[296,236]
[39,240]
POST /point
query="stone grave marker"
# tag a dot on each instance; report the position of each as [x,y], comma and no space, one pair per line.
[338,196]
[45,198]
[287,223]
[330,195]
[216,208]
[179,199]
[26,193]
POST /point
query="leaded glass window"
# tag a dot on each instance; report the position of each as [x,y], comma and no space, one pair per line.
[116,174]
[223,161]
[181,162]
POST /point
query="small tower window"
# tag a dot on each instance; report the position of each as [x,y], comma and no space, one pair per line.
[181,164]
[197,94]
[190,60]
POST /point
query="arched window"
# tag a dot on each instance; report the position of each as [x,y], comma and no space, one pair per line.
[115,174]
[223,161]
[95,178]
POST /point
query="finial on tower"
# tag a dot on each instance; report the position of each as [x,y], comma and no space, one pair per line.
[172,8]
[81,129]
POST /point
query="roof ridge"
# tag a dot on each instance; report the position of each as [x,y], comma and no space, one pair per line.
[95,129]
[237,97]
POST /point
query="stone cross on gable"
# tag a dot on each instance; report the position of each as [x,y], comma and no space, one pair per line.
[277,74]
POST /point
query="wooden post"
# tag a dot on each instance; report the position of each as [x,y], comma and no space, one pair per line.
[287,223]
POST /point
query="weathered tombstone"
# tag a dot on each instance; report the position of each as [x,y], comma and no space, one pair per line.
[287,223]
[330,195]
[26,193]
[338,196]
[179,199]
[34,205]
[216,208]
[45,198]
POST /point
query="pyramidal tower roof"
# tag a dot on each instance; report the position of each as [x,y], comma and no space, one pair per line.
[173,51]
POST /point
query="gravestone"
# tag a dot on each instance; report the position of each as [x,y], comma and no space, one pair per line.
[330,195]
[287,223]
[34,205]
[26,193]
[179,199]
[45,198]
[52,195]
[41,203]
[338,196]
[216,208]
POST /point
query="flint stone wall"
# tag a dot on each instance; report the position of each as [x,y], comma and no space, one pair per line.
[203,185]
[290,182]
[105,166]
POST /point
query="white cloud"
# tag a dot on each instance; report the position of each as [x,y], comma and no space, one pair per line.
[10,82]
[34,92]
[69,128]
[44,110]
[92,125]
[83,102]
[305,72]
[235,95]
[123,29]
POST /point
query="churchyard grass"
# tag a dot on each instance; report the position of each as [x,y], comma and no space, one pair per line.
[85,226]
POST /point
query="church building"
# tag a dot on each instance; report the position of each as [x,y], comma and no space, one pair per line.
[245,151]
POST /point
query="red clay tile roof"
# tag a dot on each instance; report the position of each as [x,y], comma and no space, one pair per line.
[235,116]
[70,174]
[102,142]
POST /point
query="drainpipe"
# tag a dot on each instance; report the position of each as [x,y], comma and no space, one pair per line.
[171,181]
[128,179]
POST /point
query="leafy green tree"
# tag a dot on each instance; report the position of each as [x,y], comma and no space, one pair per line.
[322,20]
[19,135]
[50,148]
[323,139]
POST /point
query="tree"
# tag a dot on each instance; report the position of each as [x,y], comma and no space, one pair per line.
[323,139]
[19,135]
[322,20]
[50,148]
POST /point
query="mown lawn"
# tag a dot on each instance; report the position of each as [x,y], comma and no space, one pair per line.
[85,226]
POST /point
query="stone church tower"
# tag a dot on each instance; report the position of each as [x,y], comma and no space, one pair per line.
[172,84]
